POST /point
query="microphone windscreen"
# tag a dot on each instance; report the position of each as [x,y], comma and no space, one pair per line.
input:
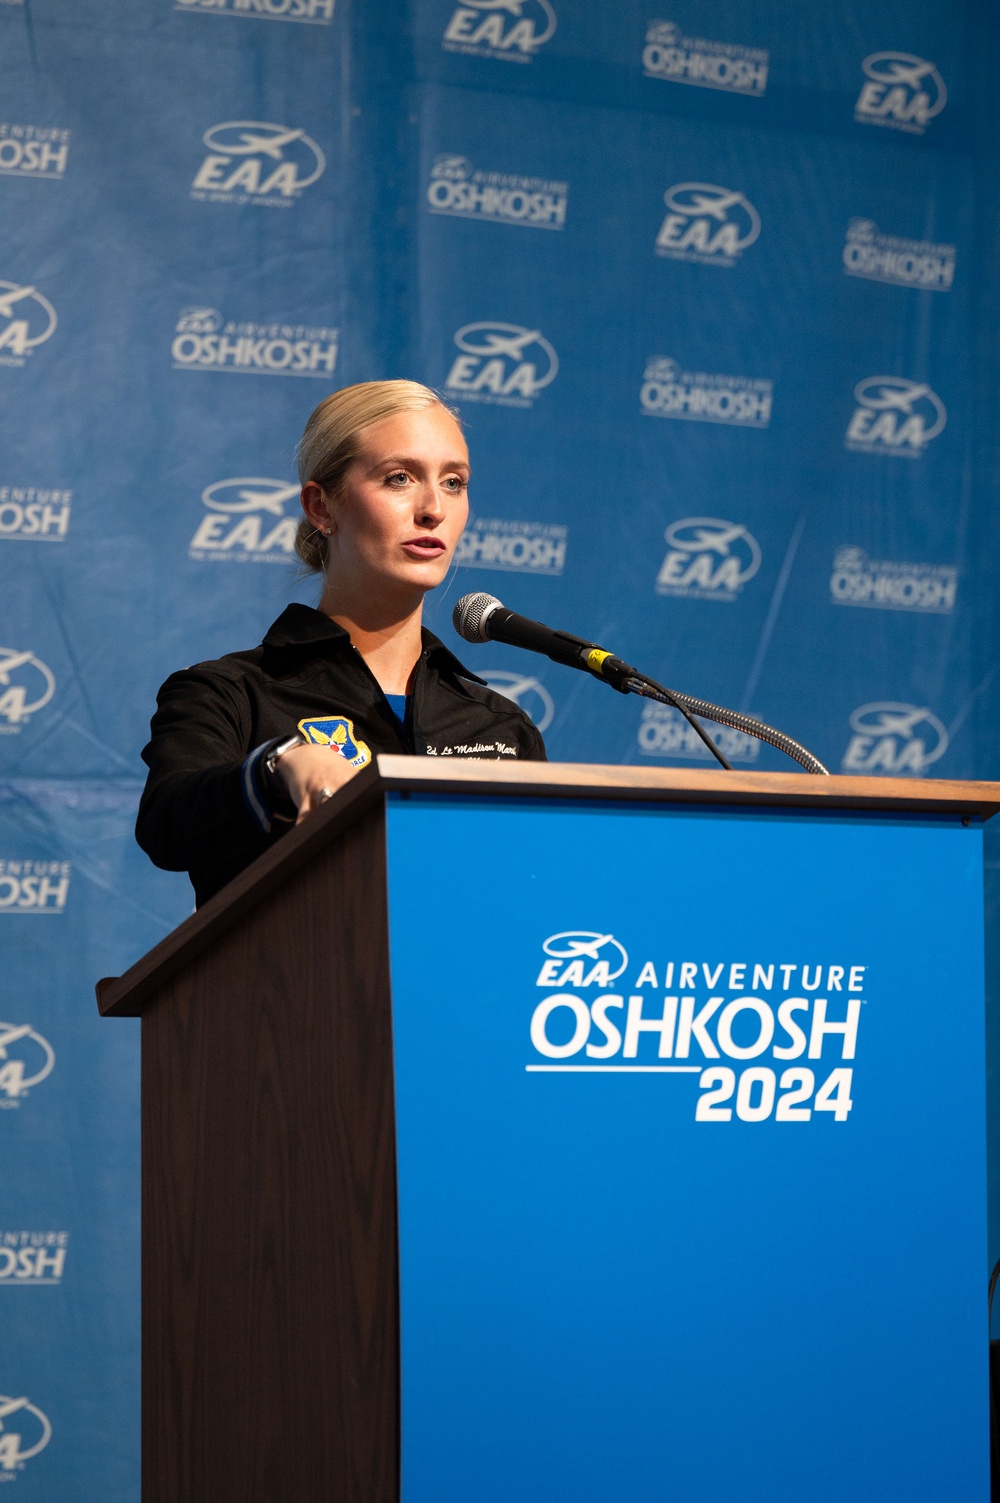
[470,613]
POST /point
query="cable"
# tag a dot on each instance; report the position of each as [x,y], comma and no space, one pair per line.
[649,690]
[735,719]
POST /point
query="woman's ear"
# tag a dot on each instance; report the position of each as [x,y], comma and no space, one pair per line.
[317,507]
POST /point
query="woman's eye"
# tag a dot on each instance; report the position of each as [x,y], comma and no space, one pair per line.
[455,483]
[398,478]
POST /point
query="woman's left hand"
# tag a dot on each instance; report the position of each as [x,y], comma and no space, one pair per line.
[311,774]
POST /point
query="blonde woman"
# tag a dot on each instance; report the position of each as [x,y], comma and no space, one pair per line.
[243,747]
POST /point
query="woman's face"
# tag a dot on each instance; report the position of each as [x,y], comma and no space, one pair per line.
[401,510]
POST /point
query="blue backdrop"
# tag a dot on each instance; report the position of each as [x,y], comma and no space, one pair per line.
[716,293]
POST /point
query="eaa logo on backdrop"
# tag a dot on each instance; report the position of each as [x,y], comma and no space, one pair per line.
[884,584]
[675,58]
[923,264]
[26,1059]
[669,392]
[505,364]
[524,690]
[707,559]
[32,513]
[255,162]
[27,319]
[462,191]
[894,740]
[33,887]
[246,522]
[894,416]
[38,151]
[26,685]
[32,1258]
[663,732]
[24,1431]
[511,30]
[205,341]
[706,223]
[901,91]
[520,547]
[308,12]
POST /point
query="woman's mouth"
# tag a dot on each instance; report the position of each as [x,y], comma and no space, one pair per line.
[424,547]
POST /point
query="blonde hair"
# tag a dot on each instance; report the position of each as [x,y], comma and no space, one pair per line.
[329,443]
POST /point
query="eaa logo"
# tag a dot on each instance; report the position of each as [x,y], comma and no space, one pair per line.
[706,223]
[337,732]
[27,319]
[253,161]
[24,1431]
[582,957]
[903,92]
[26,1059]
[199,321]
[505,364]
[246,521]
[26,685]
[894,739]
[707,559]
[449,167]
[526,691]
[512,30]
[894,416]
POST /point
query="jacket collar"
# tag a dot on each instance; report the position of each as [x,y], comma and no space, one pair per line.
[300,626]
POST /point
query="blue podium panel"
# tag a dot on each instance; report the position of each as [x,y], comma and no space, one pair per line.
[691,1154]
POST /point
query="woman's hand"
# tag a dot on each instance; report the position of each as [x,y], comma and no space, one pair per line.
[311,773]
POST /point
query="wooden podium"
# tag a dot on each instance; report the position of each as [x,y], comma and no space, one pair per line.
[288,1067]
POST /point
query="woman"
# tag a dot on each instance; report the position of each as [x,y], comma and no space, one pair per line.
[244,747]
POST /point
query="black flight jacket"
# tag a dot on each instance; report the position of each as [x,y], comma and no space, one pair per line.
[207,809]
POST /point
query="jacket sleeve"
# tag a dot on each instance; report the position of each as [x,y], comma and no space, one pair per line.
[201,808]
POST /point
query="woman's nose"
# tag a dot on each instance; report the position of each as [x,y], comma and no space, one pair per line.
[432,504]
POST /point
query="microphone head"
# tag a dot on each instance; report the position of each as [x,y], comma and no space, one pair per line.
[470,616]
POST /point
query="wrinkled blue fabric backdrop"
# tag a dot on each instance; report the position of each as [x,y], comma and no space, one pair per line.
[716,292]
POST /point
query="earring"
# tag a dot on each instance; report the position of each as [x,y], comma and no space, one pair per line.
[328,530]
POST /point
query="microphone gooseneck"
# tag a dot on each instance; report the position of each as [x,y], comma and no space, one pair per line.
[483,618]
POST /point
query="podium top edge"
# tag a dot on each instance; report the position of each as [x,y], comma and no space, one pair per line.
[124,996]
[687,785]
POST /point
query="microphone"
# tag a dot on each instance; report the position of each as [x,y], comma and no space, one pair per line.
[483,618]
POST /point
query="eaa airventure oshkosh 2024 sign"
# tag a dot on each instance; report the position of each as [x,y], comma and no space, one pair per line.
[600,1012]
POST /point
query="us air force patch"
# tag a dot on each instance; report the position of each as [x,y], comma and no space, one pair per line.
[337,732]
